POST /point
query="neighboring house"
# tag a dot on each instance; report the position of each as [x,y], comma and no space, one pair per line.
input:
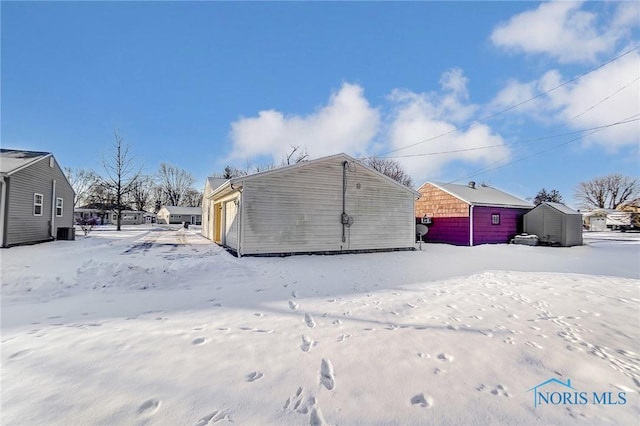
[36,201]
[469,215]
[554,224]
[609,219]
[174,214]
[332,204]
[208,211]
[129,217]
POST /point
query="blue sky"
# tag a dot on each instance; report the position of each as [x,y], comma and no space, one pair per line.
[205,84]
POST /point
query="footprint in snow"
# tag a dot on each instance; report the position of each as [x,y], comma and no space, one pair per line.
[307,343]
[213,417]
[445,357]
[343,337]
[150,406]
[308,319]
[316,418]
[326,374]
[198,341]
[293,306]
[255,375]
[533,345]
[422,401]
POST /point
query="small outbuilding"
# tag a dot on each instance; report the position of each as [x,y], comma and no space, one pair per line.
[36,199]
[332,204]
[468,215]
[554,224]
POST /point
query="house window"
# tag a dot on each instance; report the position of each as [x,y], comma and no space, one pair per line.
[115,217]
[37,204]
[59,204]
[495,219]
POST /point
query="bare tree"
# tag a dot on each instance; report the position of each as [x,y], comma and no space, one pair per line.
[390,168]
[552,196]
[192,198]
[142,192]
[174,183]
[81,181]
[608,191]
[295,156]
[121,174]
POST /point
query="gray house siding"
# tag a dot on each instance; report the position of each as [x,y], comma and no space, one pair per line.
[553,226]
[299,211]
[22,225]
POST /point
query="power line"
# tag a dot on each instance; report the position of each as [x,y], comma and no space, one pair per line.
[488,117]
[489,168]
[618,123]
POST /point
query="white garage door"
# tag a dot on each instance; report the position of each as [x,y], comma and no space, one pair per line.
[231,225]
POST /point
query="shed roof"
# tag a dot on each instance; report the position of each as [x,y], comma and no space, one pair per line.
[183,210]
[480,195]
[561,208]
[12,160]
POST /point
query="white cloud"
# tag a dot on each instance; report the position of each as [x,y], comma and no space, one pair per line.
[347,123]
[564,31]
[420,117]
[605,96]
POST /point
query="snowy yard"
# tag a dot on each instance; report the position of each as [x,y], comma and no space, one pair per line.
[160,326]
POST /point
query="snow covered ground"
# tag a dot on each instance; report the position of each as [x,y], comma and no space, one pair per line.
[159,326]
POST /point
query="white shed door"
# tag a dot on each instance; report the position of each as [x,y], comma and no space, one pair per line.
[231,225]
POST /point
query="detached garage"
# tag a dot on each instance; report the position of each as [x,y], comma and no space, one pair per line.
[554,224]
[329,205]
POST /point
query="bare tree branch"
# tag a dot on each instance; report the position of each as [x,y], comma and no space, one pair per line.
[608,191]
[175,183]
[390,168]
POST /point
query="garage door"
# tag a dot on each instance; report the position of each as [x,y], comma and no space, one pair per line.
[231,225]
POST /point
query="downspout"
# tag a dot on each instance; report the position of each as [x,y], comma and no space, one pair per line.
[53,208]
[240,224]
[343,217]
[3,203]
[471,226]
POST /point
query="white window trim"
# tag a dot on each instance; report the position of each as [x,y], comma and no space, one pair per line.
[61,207]
[496,216]
[41,204]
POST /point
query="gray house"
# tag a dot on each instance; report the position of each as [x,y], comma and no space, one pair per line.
[36,199]
[332,204]
[103,217]
[554,224]
[176,214]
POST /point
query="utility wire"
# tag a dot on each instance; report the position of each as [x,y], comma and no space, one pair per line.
[453,151]
[489,168]
[490,116]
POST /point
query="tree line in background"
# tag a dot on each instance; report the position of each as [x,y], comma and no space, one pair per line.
[121,185]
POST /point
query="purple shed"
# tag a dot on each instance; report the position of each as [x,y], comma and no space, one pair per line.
[469,215]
